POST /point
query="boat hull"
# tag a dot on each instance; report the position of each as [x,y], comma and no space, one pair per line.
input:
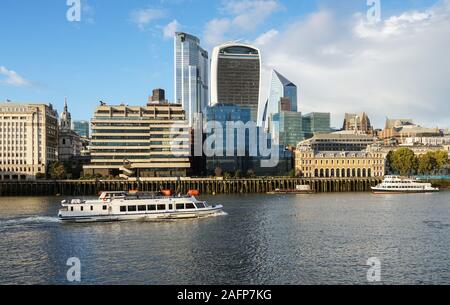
[383,191]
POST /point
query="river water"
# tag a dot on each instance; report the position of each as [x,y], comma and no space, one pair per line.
[263,239]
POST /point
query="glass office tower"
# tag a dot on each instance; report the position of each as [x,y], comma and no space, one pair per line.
[282,97]
[288,128]
[236,76]
[316,122]
[191,75]
[81,128]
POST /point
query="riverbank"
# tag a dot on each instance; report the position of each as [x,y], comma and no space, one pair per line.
[207,186]
[443,184]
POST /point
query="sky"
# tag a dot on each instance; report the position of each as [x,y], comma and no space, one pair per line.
[341,61]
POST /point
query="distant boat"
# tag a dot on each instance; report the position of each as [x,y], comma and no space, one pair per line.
[399,185]
[300,189]
[121,206]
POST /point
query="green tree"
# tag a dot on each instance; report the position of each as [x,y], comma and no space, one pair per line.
[426,163]
[58,171]
[441,158]
[404,161]
[390,161]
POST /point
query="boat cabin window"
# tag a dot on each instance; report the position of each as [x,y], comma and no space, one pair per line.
[170,206]
[82,208]
[180,206]
[105,208]
[71,209]
[132,208]
[151,207]
[92,208]
[200,205]
[161,207]
[190,206]
[142,208]
[123,208]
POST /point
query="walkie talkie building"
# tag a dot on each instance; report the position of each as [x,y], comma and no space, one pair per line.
[236,76]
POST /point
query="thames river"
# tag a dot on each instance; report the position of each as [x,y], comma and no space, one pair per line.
[263,239]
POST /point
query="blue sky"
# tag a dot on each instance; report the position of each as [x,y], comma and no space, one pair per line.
[119,51]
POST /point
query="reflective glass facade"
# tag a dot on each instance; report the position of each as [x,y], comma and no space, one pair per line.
[281,90]
[81,128]
[288,128]
[316,122]
[191,75]
[236,76]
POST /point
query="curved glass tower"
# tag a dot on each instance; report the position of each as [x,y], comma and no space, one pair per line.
[236,76]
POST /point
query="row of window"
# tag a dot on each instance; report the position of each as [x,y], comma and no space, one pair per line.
[156,207]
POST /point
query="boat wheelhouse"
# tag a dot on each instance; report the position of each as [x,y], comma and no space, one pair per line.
[122,206]
[398,184]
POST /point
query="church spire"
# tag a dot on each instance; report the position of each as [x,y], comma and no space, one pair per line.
[66,120]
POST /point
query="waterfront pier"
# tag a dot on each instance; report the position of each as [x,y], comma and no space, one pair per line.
[207,186]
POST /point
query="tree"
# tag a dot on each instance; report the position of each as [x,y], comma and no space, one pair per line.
[237,174]
[426,163]
[390,161]
[218,171]
[40,176]
[58,171]
[432,162]
[404,161]
[441,158]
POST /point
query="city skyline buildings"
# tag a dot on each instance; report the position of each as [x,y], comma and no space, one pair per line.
[236,76]
[191,74]
[283,96]
[142,56]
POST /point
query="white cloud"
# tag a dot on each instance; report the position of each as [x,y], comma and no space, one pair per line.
[13,79]
[142,17]
[398,68]
[240,17]
[170,29]
[266,37]
[215,31]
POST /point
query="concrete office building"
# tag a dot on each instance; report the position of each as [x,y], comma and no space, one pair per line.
[338,142]
[140,141]
[28,140]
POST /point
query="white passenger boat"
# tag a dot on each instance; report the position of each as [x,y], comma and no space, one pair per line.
[122,206]
[397,184]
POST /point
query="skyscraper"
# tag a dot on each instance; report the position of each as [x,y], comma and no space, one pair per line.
[191,74]
[316,122]
[81,128]
[236,76]
[282,97]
